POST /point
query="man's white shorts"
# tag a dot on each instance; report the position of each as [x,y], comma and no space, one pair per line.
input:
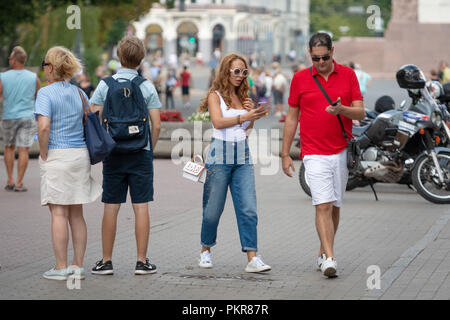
[327,177]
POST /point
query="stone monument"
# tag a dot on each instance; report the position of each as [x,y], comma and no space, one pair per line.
[417,33]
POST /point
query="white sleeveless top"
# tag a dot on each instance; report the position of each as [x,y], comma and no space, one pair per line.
[235,133]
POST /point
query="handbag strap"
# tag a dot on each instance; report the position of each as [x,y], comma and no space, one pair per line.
[85,105]
[329,101]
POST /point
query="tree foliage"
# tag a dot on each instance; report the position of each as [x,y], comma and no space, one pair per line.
[38,25]
[329,15]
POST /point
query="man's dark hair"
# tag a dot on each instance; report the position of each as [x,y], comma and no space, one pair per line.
[320,39]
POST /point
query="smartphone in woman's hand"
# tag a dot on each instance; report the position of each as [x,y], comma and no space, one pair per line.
[265,109]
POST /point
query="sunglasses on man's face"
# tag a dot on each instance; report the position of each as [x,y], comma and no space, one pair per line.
[237,72]
[317,58]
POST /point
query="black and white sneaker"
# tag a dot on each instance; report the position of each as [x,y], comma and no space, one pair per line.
[103,268]
[145,268]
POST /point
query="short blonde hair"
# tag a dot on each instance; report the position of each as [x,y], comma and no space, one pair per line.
[64,62]
[131,51]
[19,54]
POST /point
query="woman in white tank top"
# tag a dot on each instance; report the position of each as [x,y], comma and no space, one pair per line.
[228,163]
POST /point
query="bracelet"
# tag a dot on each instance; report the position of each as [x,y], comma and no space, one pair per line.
[239,120]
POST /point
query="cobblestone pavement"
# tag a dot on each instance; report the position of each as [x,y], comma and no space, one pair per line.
[404,235]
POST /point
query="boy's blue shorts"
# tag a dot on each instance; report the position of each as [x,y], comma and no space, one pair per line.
[131,169]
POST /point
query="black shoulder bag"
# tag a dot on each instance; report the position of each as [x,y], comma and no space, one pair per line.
[353,149]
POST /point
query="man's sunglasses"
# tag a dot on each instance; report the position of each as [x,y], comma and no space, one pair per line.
[237,72]
[44,64]
[317,58]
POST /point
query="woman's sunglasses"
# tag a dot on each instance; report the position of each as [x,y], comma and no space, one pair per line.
[237,72]
[324,58]
[44,64]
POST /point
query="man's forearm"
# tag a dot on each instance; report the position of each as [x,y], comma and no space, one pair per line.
[290,127]
[354,113]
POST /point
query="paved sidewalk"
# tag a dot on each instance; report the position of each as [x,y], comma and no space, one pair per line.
[371,233]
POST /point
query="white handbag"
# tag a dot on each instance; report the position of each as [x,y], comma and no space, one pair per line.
[195,170]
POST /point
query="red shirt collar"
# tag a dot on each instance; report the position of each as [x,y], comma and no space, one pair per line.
[336,68]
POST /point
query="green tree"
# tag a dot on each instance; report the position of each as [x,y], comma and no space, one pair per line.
[330,15]
[40,25]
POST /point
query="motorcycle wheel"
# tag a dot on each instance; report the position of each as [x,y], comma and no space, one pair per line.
[303,181]
[425,178]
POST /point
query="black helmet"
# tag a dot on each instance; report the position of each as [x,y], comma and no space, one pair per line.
[384,103]
[410,77]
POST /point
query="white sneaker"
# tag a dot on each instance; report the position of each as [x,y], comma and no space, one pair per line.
[205,260]
[320,260]
[257,265]
[329,267]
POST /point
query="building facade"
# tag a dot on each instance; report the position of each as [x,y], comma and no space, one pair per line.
[264,27]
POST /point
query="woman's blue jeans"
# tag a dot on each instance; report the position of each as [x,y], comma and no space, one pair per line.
[229,165]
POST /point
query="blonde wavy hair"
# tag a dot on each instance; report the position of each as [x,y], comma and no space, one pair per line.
[64,62]
[222,83]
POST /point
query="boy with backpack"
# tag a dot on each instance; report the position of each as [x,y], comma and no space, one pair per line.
[127,102]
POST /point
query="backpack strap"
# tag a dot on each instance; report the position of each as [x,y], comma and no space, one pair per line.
[110,81]
[138,80]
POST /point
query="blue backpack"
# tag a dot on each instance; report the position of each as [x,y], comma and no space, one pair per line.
[125,115]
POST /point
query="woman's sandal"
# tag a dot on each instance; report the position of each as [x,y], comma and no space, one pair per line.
[9,187]
[20,188]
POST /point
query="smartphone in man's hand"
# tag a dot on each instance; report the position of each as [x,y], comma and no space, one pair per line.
[336,102]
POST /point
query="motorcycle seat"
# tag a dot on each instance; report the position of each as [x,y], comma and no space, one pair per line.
[359,130]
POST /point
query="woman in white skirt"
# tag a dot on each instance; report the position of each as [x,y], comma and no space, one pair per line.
[66,182]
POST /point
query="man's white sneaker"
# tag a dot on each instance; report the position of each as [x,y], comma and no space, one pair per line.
[205,260]
[329,267]
[320,260]
[257,265]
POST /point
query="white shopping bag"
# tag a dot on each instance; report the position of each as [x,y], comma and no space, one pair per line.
[195,170]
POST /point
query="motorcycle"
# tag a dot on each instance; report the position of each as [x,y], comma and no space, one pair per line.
[402,146]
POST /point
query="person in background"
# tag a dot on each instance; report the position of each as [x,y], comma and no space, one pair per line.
[434,75]
[268,83]
[18,88]
[86,85]
[363,77]
[279,88]
[445,71]
[171,83]
[186,82]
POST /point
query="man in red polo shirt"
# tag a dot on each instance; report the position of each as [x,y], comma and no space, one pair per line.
[322,141]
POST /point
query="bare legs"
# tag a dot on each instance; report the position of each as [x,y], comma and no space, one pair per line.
[62,217]
[22,164]
[327,222]
[9,163]
[142,229]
